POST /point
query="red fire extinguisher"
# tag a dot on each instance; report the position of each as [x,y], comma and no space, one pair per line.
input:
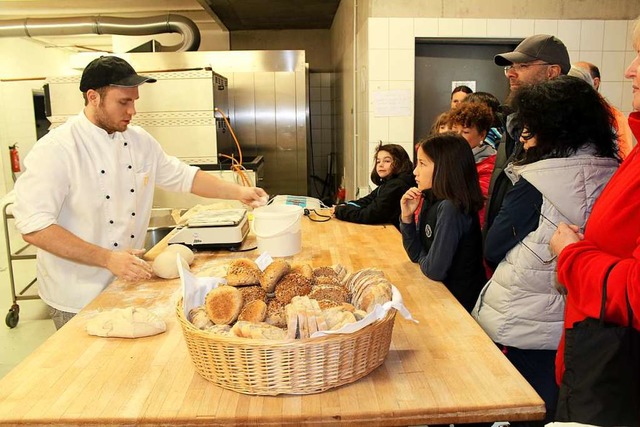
[15,158]
[341,194]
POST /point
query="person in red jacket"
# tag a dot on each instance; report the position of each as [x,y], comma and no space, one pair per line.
[611,238]
[473,121]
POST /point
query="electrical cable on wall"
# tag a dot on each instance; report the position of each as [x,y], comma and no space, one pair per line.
[236,164]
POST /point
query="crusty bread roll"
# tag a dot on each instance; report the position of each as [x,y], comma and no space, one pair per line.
[243,272]
[275,314]
[252,293]
[337,317]
[261,330]
[224,330]
[327,303]
[324,272]
[273,273]
[378,293]
[223,304]
[326,280]
[331,292]
[198,316]
[303,269]
[255,311]
[360,278]
[291,285]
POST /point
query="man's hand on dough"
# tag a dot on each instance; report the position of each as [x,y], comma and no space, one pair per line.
[127,266]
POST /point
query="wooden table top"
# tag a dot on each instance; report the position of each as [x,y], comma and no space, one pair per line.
[442,370]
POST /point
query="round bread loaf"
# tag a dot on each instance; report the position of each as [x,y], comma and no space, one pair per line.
[243,272]
[255,311]
[273,273]
[252,293]
[223,304]
[291,285]
[186,253]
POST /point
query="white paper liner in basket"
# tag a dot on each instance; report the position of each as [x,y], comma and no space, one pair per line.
[194,290]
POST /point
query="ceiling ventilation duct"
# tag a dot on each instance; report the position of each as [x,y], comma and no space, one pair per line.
[108,25]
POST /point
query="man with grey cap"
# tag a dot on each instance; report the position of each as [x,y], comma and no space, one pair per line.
[85,198]
[535,60]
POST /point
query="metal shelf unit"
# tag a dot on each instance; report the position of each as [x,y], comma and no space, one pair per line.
[25,252]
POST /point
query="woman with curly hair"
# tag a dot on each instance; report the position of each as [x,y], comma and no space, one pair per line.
[473,121]
[392,174]
[569,155]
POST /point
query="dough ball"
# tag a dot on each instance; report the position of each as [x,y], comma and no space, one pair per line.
[166,266]
[184,252]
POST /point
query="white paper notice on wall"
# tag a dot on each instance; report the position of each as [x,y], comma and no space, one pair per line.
[392,103]
[468,83]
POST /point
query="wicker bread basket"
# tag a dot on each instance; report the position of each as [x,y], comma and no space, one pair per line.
[265,367]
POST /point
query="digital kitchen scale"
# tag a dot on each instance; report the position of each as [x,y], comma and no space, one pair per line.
[214,229]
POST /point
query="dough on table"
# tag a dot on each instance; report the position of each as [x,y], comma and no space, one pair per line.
[184,252]
[130,322]
[166,266]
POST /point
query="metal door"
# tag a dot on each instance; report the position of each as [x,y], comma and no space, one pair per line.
[439,62]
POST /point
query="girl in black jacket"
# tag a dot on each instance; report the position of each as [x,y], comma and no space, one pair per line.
[392,174]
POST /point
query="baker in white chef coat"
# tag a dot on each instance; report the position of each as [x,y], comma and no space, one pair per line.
[85,198]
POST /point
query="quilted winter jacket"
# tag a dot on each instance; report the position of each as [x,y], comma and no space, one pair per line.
[520,305]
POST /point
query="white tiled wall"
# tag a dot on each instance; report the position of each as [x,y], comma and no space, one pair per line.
[391,59]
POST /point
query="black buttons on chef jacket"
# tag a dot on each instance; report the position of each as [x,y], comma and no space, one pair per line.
[115,244]
[133,237]
[108,197]
[133,214]
[129,167]
[102,171]
[132,190]
[110,221]
[125,144]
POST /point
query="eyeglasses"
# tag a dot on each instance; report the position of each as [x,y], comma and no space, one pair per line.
[518,68]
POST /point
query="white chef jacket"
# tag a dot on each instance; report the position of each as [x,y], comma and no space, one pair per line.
[100,188]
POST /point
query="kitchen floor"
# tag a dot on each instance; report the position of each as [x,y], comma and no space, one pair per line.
[34,325]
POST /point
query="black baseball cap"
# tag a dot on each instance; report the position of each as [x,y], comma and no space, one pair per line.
[111,71]
[541,47]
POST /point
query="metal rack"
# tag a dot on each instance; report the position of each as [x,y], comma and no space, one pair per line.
[25,252]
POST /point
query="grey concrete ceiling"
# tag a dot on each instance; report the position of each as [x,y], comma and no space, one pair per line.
[237,15]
